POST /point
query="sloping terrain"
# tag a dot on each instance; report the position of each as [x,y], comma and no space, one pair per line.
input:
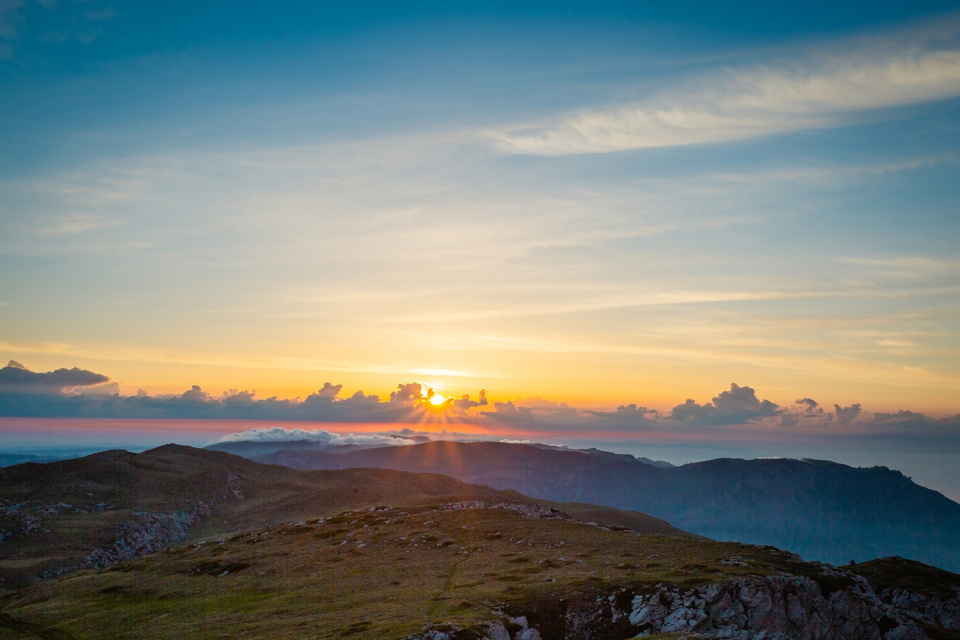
[94,511]
[821,510]
[204,544]
[464,571]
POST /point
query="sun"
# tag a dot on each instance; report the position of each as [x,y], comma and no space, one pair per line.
[436,399]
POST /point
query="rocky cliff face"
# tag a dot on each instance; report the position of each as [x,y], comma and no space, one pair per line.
[833,604]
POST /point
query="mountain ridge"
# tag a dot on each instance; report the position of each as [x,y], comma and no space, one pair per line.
[821,509]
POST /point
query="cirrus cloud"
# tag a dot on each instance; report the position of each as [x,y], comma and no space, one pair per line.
[806,92]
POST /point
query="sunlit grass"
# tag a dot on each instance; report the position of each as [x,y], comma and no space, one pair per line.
[382,573]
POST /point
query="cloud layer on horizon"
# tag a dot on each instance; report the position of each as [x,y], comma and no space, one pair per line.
[77,393]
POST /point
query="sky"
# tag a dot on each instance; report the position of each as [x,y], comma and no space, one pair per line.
[576,207]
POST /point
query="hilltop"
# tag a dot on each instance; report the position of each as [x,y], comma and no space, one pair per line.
[117,505]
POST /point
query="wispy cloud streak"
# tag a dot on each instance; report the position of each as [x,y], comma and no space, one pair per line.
[811,92]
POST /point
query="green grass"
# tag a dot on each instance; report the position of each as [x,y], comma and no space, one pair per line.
[371,574]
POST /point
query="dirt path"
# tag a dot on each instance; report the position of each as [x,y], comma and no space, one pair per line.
[442,594]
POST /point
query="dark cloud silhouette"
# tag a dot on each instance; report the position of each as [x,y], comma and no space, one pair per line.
[509,412]
[466,403]
[359,398]
[847,415]
[743,400]
[195,394]
[16,377]
[78,393]
[736,406]
[328,393]
[901,417]
[407,394]
[625,413]
[805,412]
[550,412]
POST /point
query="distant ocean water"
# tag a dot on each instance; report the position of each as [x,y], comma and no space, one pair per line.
[930,458]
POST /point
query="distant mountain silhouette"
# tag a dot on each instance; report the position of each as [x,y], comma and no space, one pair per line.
[821,510]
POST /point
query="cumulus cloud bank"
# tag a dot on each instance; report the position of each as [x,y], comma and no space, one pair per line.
[847,414]
[319,436]
[80,393]
[807,92]
[736,406]
[77,393]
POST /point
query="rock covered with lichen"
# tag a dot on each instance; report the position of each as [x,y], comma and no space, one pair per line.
[779,606]
[829,604]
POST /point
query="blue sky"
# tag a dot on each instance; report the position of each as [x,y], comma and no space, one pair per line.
[597,204]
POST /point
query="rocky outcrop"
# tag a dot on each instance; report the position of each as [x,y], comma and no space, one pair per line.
[828,604]
[927,609]
[774,607]
[144,534]
[504,628]
[526,510]
[20,519]
[149,533]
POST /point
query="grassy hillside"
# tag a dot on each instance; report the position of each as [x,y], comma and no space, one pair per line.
[386,554]
[380,573]
[117,505]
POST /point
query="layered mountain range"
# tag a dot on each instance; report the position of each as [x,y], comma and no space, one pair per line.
[179,542]
[822,510]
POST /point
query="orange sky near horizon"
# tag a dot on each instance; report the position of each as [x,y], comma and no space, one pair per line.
[595,386]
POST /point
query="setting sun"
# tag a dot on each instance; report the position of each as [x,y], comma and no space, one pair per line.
[686,273]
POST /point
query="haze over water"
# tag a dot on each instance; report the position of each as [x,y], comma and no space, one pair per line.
[933,462]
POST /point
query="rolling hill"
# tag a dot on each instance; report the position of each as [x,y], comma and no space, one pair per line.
[117,505]
[203,544]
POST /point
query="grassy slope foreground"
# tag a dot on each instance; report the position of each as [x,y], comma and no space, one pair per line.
[395,555]
[392,572]
[385,573]
[94,511]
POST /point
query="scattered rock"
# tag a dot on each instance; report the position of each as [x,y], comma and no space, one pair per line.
[777,607]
